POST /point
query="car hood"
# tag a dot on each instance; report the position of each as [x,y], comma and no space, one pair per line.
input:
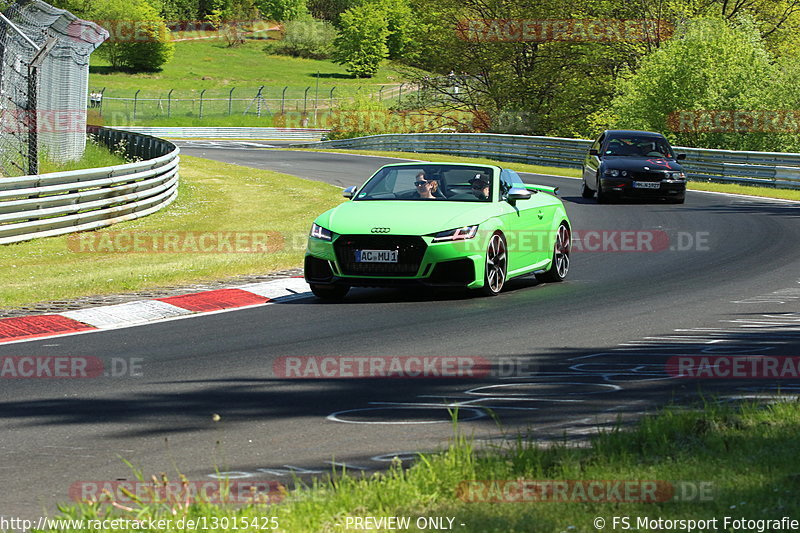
[638,163]
[404,217]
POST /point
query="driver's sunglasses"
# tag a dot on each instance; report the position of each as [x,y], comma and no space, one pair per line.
[418,183]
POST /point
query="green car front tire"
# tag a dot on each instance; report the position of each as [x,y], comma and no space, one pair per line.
[494,276]
[559,266]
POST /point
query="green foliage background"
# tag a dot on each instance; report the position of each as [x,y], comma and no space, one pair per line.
[722,55]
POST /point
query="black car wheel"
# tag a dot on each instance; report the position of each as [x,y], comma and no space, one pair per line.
[494,276]
[602,197]
[330,292]
[560,266]
[586,192]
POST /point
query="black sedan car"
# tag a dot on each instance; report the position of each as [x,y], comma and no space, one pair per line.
[626,163]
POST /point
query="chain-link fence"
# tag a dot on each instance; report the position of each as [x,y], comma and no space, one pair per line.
[44,77]
[309,104]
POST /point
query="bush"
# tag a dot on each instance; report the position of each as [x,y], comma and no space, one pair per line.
[715,67]
[307,37]
[231,17]
[361,44]
[144,45]
[282,9]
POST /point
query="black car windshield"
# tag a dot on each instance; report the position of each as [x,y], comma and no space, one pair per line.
[635,146]
[430,182]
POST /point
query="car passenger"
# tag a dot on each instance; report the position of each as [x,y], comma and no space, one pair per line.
[480,186]
[426,188]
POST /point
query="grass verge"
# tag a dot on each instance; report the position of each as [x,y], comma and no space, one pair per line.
[211,63]
[787,194]
[221,201]
[720,461]
[95,156]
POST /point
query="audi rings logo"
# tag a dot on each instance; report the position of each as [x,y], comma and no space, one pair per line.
[380,230]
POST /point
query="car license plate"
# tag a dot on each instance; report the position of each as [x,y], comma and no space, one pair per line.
[376,256]
[646,184]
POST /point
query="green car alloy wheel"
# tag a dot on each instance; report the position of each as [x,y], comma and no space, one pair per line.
[461,225]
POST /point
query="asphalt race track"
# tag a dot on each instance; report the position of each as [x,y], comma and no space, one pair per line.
[721,280]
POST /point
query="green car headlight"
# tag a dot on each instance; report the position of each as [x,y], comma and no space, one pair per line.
[457,234]
[318,232]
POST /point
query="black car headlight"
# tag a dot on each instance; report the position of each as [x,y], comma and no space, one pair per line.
[613,172]
[676,175]
[318,232]
[457,234]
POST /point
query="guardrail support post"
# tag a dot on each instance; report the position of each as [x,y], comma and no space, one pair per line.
[135,102]
[100,105]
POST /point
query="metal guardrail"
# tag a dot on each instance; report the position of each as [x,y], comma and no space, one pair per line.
[45,205]
[769,169]
[232,133]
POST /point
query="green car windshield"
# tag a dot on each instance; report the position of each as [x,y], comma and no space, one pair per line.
[430,182]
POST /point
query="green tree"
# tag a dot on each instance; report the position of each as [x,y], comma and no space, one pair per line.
[139,39]
[399,21]
[716,65]
[232,18]
[282,9]
[361,44]
[329,9]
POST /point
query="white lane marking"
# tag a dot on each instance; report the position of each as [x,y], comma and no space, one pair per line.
[346,466]
[335,417]
[477,391]
[748,196]
[114,316]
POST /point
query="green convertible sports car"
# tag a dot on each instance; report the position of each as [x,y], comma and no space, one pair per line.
[439,224]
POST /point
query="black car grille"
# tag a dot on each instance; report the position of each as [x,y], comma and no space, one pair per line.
[459,271]
[409,254]
[317,269]
[643,175]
